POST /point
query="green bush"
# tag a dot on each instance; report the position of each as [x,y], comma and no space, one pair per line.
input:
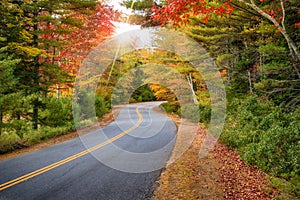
[100,106]
[84,109]
[191,112]
[19,126]
[49,132]
[265,135]
[171,107]
[56,112]
[277,151]
[8,138]
[85,102]
[205,114]
[31,137]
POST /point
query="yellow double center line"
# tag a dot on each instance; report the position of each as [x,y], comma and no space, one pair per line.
[69,159]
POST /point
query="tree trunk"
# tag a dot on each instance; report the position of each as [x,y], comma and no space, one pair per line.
[35,117]
[36,79]
[57,91]
[250,82]
[1,121]
[190,82]
[292,46]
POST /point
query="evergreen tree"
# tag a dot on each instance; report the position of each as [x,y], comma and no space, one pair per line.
[11,30]
[8,95]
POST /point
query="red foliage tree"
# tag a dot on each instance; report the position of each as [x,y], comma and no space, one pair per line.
[74,43]
[97,27]
[178,11]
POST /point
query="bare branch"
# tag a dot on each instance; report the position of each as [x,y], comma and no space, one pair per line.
[280,27]
[283,14]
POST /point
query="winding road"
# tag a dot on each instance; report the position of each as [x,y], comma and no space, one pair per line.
[120,161]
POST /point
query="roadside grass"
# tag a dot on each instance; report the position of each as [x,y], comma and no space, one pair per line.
[10,140]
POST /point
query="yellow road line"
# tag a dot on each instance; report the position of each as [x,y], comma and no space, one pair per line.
[70,158]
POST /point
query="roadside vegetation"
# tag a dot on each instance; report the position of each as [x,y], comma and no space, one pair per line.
[42,44]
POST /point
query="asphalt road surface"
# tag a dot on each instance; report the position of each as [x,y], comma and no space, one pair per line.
[120,161]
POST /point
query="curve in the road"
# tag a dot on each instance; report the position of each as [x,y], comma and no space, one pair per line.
[70,158]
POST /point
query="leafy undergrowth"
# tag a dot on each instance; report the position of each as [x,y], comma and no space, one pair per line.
[105,120]
[221,175]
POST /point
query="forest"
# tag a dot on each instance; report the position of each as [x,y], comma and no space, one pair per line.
[254,44]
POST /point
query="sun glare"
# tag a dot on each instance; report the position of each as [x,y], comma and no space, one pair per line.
[122,27]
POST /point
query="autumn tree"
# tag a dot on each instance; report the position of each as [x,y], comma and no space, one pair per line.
[142,12]
[275,12]
[45,36]
[96,28]
[252,42]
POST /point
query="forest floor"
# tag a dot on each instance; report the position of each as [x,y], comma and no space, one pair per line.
[220,175]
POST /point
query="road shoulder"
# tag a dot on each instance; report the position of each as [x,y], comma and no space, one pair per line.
[220,175]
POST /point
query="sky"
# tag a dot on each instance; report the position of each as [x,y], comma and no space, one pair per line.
[116,4]
[120,26]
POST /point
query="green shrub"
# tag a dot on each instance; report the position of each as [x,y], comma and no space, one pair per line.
[190,112]
[90,105]
[100,106]
[132,100]
[85,123]
[278,151]
[85,102]
[49,132]
[31,137]
[56,112]
[171,107]
[205,114]
[265,135]
[8,138]
[20,127]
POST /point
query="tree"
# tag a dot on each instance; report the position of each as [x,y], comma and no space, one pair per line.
[247,47]
[142,12]
[277,19]
[179,12]
[7,83]
[97,27]
[10,28]
[36,33]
